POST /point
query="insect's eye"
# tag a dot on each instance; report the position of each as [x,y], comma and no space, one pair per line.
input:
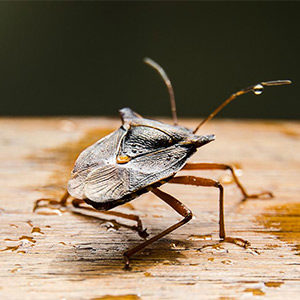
[141,140]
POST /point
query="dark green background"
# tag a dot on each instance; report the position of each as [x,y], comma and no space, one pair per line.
[86,58]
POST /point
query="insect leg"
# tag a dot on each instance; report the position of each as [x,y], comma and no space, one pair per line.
[77,203]
[176,205]
[199,181]
[61,202]
[215,166]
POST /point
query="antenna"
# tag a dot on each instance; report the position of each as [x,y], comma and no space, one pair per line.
[167,81]
[256,89]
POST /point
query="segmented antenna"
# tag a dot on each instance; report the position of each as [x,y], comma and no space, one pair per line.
[256,89]
[167,81]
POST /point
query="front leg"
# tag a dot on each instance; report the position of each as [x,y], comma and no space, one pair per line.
[215,166]
[199,181]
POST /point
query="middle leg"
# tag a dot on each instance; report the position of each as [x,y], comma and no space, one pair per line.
[176,205]
[215,166]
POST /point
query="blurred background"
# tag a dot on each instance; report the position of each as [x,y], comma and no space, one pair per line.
[86,58]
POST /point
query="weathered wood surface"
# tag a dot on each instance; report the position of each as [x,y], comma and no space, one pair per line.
[77,257]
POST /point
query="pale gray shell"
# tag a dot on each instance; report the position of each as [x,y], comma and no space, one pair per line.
[157,151]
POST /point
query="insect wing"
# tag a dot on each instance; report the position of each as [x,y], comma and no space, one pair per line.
[94,157]
[107,183]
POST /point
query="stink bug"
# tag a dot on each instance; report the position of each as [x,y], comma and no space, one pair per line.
[142,155]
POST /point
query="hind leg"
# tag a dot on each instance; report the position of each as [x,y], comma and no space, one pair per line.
[44,202]
[77,203]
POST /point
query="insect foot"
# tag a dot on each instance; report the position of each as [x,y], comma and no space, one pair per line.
[127,263]
[44,202]
[237,241]
[262,195]
[142,232]
[51,202]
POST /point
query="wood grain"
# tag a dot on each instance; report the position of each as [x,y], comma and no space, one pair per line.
[57,254]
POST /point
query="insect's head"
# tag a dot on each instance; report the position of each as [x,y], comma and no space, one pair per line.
[203,140]
[189,138]
[146,135]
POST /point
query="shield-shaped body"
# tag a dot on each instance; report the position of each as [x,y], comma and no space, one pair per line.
[138,156]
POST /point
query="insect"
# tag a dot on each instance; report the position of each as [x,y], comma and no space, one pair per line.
[142,155]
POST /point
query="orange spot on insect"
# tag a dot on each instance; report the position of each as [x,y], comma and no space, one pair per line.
[123,159]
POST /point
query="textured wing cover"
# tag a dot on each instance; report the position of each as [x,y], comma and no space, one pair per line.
[109,182]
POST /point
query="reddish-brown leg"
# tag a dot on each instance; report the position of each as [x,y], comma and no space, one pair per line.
[214,166]
[199,181]
[77,203]
[176,205]
[61,202]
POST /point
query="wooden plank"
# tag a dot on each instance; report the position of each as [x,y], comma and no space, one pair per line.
[78,257]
